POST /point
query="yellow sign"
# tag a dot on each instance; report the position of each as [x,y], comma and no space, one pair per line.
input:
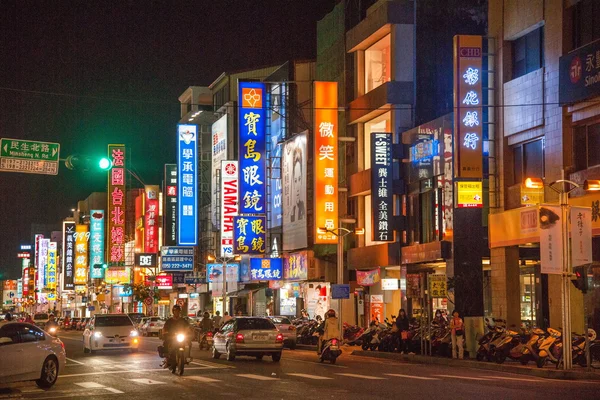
[118,276]
[51,275]
[82,236]
[438,285]
[469,194]
[531,197]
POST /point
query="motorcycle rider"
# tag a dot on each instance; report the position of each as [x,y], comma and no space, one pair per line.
[51,323]
[328,329]
[173,326]
[217,320]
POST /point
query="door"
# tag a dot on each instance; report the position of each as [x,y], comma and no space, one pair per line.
[33,341]
[12,353]
[221,337]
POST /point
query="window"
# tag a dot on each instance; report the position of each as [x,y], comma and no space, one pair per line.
[113,321]
[252,324]
[227,327]
[378,64]
[528,53]
[379,124]
[586,142]
[528,161]
[9,334]
[586,22]
[30,334]
[281,320]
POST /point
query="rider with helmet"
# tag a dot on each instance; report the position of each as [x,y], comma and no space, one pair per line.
[51,323]
[328,329]
[172,327]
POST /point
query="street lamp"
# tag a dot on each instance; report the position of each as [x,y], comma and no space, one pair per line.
[224,261]
[341,232]
[563,187]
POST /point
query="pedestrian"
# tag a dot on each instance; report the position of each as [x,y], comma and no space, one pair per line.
[28,319]
[7,318]
[458,335]
[402,325]
[227,317]
[217,320]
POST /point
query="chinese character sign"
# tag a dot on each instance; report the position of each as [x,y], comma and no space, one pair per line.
[468,99]
[68,257]
[96,243]
[118,276]
[151,216]
[117,205]
[277,117]
[326,160]
[187,218]
[82,236]
[51,275]
[469,194]
[295,266]
[581,235]
[219,153]
[266,269]
[249,235]
[252,146]
[438,287]
[382,196]
[177,258]
[229,204]
[42,263]
[294,192]
[170,205]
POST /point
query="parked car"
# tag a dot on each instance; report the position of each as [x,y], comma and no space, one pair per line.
[30,354]
[152,326]
[138,325]
[110,332]
[287,329]
[248,336]
[40,319]
[136,317]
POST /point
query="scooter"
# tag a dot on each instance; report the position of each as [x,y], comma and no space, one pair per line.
[330,351]
[178,354]
[511,340]
[528,351]
[206,340]
[494,332]
[550,348]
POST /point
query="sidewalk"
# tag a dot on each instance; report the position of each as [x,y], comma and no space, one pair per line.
[549,371]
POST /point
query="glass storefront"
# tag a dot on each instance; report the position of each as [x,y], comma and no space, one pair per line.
[378,62]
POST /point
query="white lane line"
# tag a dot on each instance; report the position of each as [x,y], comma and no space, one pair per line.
[514,379]
[74,361]
[145,381]
[315,363]
[125,372]
[208,364]
[257,377]
[89,385]
[469,378]
[203,379]
[315,377]
[413,377]
[113,390]
[373,378]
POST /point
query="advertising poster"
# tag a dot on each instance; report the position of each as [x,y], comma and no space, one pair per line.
[187,161]
[295,266]
[581,236]
[316,298]
[277,114]
[68,257]
[249,235]
[117,205]
[96,243]
[294,193]
[214,273]
[82,236]
[368,278]
[376,305]
[229,204]
[551,248]
[469,194]
[219,153]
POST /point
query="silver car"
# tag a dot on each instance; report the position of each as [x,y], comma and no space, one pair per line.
[248,336]
[287,329]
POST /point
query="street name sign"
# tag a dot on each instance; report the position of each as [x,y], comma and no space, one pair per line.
[29,156]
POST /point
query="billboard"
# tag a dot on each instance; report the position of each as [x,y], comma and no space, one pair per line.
[118,276]
[294,192]
[176,258]
[52,272]
[170,205]
[252,147]
[382,196]
[97,243]
[151,216]
[469,194]
[295,266]
[326,160]
[219,153]
[229,204]
[266,269]
[187,161]
[82,236]
[277,115]
[117,205]
[68,257]
[214,273]
[249,235]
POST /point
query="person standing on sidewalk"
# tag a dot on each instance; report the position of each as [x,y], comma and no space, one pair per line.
[458,334]
[402,324]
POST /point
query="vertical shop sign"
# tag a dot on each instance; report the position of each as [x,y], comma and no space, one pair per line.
[377,307]
[229,204]
[252,146]
[219,153]
[468,99]
[151,218]
[117,205]
[277,115]
[551,247]
[97,244]
[25,282]
[34,266]
[52,275]
[82,236]
[187,218]
[326,160]
[170,205]
[42,264]
[68,255]
[249,235]
[382,205]
[581,235]
[438,287]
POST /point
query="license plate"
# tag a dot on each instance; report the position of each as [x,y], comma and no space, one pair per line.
[334,347]
[260,337]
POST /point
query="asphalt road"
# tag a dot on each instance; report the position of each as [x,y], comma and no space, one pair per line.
[116,375]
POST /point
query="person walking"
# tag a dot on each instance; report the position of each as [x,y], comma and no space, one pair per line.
[217,320]
[402,325]
[458,335]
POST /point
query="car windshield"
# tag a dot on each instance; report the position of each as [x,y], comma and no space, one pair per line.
[40,316]
[254,324]
[136,317]
[113,321]
[281,320]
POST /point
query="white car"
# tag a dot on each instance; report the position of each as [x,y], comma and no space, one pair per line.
[110,332]
[27,353]
[152,326]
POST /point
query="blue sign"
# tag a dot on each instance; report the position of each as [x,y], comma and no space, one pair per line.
[96,243]
[176,258]
[340,291]
[214,273]
[252,148]
[178,277]
[266,269]
[277,114]
[249,235]
[187,218]
[124,291]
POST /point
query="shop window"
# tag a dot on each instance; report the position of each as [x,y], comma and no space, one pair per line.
[586,22]
[378,64]
[528,53]
[586,142]
[379,124]
[528,161]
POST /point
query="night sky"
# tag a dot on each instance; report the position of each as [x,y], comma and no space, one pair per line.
[89,73]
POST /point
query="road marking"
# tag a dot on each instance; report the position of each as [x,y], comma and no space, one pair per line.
[203,379]
[113,390]
[315,363]
[469,378]
[146,381]
[373,378]
[208,364]
[74,361]
[257,377]
[315,377]
[89,385]
[124,372]
[413,377]
[514,379]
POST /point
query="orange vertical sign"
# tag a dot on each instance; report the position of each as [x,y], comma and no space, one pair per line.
[326,160]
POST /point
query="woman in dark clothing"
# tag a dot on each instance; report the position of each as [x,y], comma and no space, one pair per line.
[402,324]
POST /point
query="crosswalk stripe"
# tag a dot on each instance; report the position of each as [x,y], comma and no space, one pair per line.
[469,378]
[89,385]
[113,390]
[513,379]
[257,377]
[315,377]
[425,378]
[363,376]
[203,379]
[145,381]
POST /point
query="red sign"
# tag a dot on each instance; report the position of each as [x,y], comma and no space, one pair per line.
[23,255]
[25,282]
[117,205]
[151,219]
[162,281]
[377,307]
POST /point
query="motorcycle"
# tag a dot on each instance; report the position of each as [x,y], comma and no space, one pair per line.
[330,351]
[177,356]
[205,340]
[490,339]
[550,348]
[511,346]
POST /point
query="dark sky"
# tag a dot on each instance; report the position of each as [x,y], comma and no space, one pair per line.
[98,53]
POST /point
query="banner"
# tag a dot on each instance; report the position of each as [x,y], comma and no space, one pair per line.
[117,205]
[34,267]
[170,205]
[214,273]
[252,148]
[551,246]
[249,235]
[266,269]
[469,194]
[187,161]
[25,282]
[376,305]
[295,266]
[97,244]
[219,153]
[68,244]
[81,236]
[368,278]
[326,160]
[229,204]
[581,235]
[382,196]
[52,275]
[277,114]
[294,193]
[151,216]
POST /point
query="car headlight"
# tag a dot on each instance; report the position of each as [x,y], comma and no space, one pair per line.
[97,334]
[180,337]
[133,333]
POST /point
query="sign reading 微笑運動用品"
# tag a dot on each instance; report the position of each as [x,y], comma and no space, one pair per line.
[382,203]
[29,156]
[187,161]
[249,235]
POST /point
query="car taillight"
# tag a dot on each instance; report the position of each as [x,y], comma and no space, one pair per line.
[152,324]
[334,342]
[239,338]
[292,328]
[209,334]
[279,338]
[62,344]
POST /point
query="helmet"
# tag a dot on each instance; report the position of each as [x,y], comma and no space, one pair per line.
[331,313]
[177,307]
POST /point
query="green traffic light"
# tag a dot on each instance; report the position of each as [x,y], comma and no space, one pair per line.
[105,163]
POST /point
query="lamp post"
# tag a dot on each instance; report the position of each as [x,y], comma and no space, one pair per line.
[341,232]
[563,187]
[224,261]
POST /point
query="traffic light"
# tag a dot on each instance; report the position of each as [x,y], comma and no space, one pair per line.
[103,266]
[105,164]
[580,281]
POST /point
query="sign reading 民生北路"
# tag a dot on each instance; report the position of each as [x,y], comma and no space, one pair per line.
[29,156]
[249,235]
